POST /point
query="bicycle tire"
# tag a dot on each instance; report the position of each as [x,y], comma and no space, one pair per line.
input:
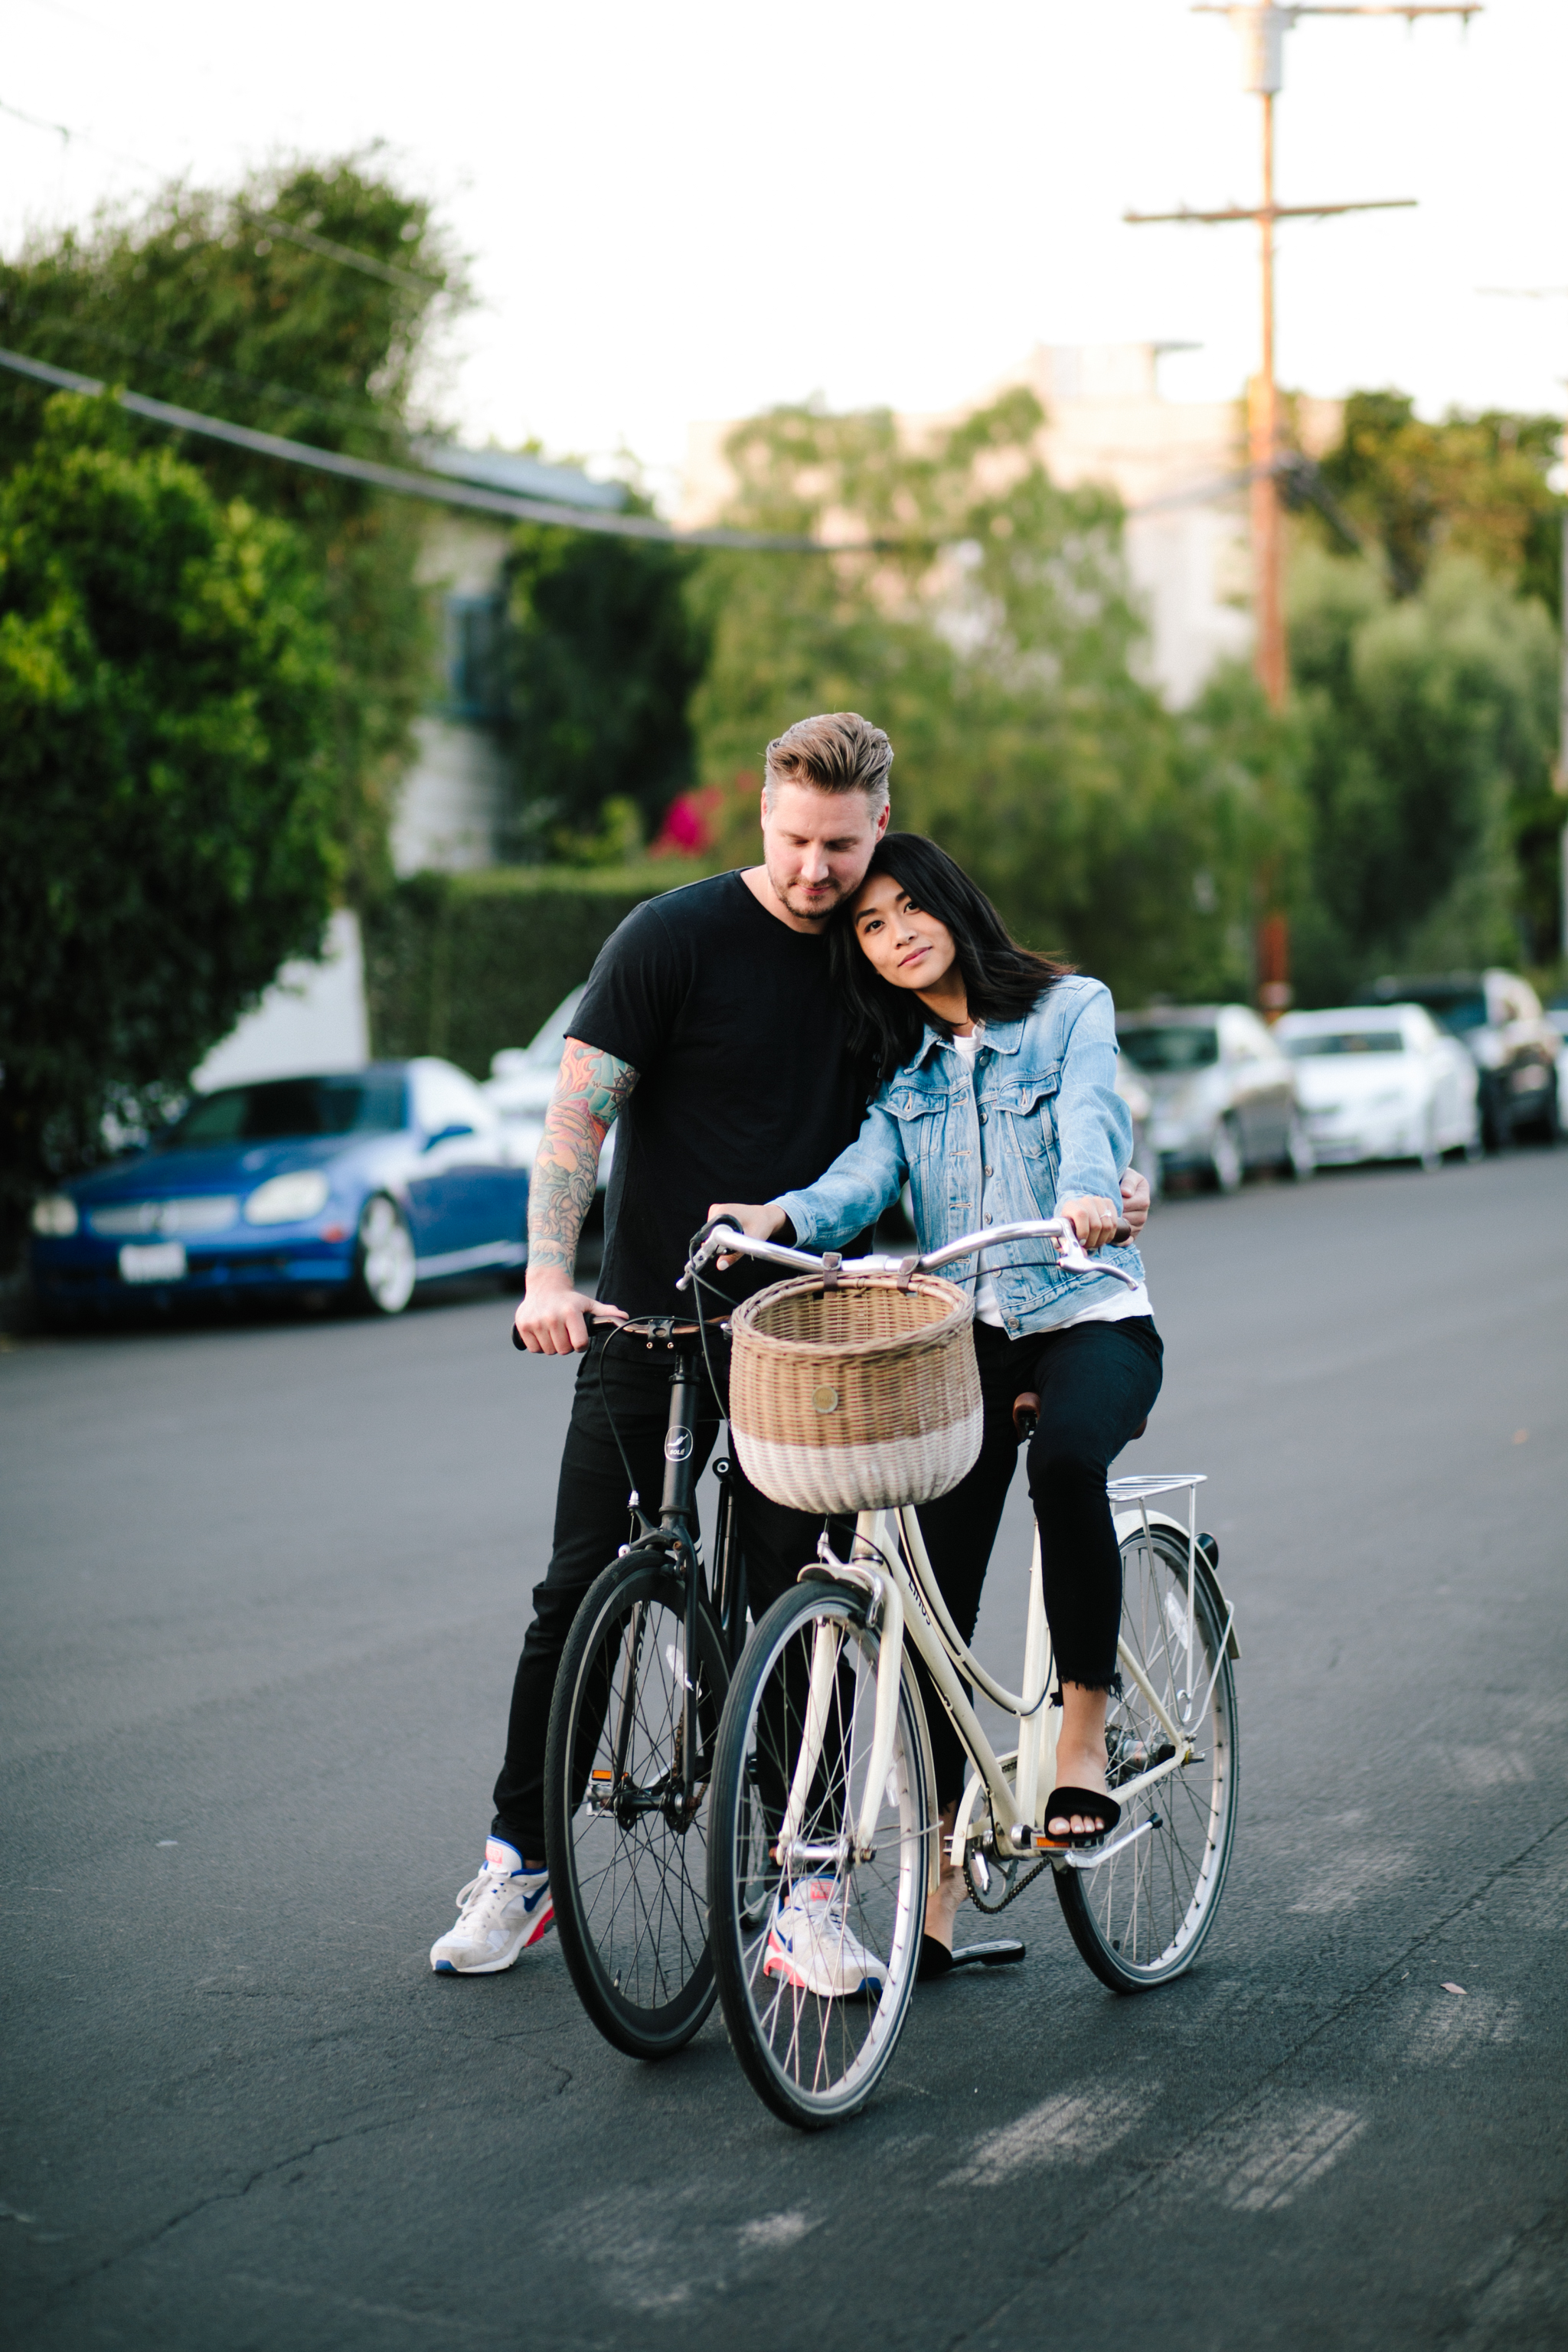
[629,1880]
[1141,1917]
[816,2056]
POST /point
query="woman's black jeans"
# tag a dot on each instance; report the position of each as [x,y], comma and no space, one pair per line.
[1097,1383]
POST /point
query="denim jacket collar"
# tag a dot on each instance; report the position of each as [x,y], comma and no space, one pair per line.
[1002,1037]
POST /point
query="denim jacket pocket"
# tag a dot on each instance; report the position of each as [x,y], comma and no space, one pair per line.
[1029,1105]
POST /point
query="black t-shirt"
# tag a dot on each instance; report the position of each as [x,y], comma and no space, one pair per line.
[744,1089]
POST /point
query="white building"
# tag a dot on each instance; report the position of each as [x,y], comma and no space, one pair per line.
[1169,461]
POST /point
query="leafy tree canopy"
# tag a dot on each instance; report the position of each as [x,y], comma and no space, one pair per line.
[606,652]
[997,639]
[166,796]
[1472,486]
[198,301]
[1426,729]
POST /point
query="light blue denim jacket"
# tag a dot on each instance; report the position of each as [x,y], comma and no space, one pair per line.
[1042,1120]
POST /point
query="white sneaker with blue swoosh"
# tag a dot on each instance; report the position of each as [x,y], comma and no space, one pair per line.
[505,1911]
[810,1945]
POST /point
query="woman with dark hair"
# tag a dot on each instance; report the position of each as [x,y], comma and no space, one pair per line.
[991,1074]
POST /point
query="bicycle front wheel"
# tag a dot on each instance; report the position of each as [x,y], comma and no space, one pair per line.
[816,1948]
[1141,1917]
[627,1843]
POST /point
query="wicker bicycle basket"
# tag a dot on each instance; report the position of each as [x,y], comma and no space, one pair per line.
[857,1397]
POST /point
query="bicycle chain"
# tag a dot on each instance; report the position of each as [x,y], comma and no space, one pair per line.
[990,1910]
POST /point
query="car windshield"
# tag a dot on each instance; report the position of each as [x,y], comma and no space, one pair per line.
[1170,1046]
[1343,1040]
[284,1109]
[1453,1009]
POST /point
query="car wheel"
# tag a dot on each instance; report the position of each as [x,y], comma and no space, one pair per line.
[1299,1157]
[1225,1156]
[384,1257]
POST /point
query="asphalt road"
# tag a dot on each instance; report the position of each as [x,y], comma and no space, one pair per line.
[263,1593]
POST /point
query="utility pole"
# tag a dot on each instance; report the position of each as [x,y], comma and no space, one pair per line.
[1262,28]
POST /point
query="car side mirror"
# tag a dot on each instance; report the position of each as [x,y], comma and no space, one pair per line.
[446,1135]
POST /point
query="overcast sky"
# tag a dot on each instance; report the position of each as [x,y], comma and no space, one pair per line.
[692,210]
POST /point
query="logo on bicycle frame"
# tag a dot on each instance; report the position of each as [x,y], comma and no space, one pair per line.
[678,1445]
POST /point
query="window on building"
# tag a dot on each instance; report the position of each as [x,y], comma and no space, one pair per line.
[477,657]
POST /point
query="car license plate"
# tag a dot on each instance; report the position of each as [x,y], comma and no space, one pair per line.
[152,1261]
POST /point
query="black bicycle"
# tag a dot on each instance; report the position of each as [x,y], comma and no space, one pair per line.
[633,1727]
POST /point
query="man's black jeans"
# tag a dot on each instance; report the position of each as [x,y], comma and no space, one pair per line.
[1096,1381]
[590,1524]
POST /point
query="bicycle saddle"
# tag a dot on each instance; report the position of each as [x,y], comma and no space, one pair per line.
[1027,1416]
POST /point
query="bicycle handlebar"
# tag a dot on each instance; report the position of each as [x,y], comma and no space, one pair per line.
[719,1240]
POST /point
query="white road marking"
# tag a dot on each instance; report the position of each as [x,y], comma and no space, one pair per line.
[1287,2149]
[1068,2129]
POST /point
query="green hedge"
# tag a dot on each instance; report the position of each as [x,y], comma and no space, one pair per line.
[462,964]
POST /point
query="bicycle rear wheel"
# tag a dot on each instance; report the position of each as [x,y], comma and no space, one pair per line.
[815,1952]
[628,1856]
[1141,1917]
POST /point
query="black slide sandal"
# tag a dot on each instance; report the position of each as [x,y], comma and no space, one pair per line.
[1065,1802]
[936,1960]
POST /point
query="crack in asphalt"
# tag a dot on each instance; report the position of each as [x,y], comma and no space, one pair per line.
[218,2197]
[1152,2173]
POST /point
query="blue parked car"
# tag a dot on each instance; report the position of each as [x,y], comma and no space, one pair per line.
[367,1181]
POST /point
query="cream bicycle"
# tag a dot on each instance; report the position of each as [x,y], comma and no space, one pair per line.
[856,1390]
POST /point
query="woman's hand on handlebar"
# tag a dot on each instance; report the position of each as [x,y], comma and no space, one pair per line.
[554,1318]
[1093,1220]
[1135,1200]
[762,1223]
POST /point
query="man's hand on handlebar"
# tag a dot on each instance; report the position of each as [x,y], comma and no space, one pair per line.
[761,1224]
[1093,1220]
[554,1318]
[1135,1200]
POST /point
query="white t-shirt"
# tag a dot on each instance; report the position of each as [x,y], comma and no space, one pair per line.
[987,1306]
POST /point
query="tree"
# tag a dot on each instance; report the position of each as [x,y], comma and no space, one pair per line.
[1472,485]
[995,636]
[166,789]
[605,652]
[207,299]
[1426,726]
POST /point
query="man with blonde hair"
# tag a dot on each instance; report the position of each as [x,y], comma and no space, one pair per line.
[710,1034]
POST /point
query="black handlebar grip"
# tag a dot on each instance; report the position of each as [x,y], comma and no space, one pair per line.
[1124,1232]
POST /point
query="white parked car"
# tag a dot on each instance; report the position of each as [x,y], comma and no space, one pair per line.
[1382,1082]
[522,1079]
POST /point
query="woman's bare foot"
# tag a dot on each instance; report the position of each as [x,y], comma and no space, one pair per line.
[941,1905]
[1080,1757]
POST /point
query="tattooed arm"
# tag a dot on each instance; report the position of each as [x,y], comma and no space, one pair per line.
[552,1320]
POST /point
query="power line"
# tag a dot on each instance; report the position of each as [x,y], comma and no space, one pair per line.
[440,493]
[291,396]
[347,256]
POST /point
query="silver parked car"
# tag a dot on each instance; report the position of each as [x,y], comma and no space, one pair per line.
[1225,1095]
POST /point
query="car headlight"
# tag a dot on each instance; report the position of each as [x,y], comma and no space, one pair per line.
[287,1199]
[56,1214]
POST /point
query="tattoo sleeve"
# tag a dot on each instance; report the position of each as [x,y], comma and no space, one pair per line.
[588,1095]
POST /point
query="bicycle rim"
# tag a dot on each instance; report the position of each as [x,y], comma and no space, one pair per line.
[1141,1916]
[815,1952]
[628,1862]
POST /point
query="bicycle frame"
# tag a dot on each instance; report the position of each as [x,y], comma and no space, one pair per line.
[890,1564]
[678,1529]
